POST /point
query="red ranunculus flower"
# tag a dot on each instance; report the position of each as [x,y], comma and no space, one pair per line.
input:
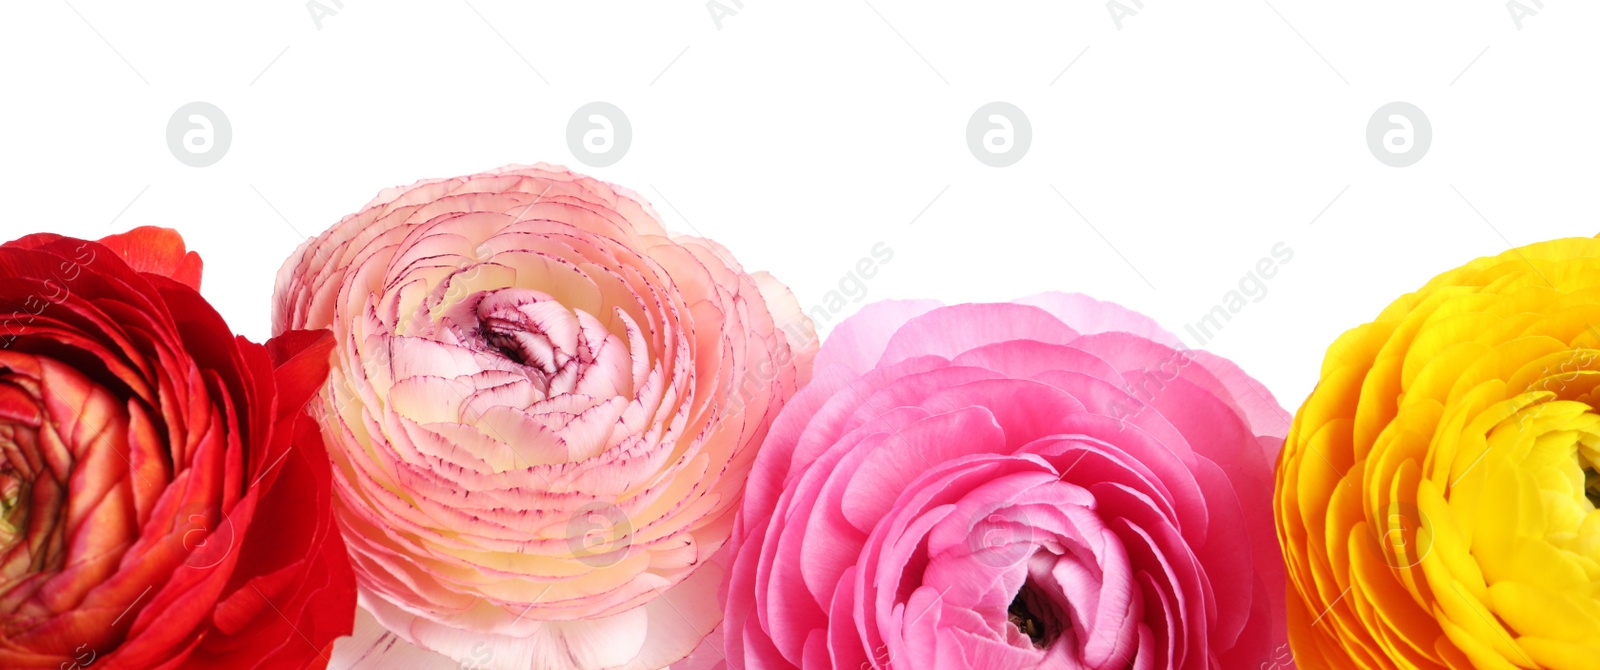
[164,503]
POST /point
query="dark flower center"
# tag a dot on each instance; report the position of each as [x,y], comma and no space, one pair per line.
[1589,465]
[13,513]
[541,337]
[528,349]
[32,502]
[1033,613]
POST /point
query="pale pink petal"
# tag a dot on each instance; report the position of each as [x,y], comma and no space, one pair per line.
[542,412]
[373,647]
[952,330]
[858,342]
[1089,316]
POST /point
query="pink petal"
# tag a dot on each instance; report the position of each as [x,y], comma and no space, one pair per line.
[858,342]
[1089,316]
[952,330]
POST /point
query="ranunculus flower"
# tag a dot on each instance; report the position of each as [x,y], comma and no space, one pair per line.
[1051,483]
[164,502]
[542,411]
[1436,497]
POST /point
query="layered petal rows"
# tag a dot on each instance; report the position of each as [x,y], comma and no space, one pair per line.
[542,412]
[164,502]
[1051,483]
[1437,495]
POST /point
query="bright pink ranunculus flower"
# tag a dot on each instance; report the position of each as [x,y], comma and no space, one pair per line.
[541,413]
[1052,483]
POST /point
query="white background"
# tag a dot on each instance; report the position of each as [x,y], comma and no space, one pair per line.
[800,134]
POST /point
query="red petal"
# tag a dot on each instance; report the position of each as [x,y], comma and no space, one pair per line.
[33,241]
[157,251]
[301,358]
[294,591]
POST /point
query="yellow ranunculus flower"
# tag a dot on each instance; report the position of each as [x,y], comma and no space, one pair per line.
[1437,494]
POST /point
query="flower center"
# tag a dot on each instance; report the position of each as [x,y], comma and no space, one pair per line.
[1033,613]
[31,540]
[13,513]
[1591,477]
[528,348]
[536,333]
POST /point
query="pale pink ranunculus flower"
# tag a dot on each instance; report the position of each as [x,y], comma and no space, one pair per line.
[1050,483]
[542,411]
